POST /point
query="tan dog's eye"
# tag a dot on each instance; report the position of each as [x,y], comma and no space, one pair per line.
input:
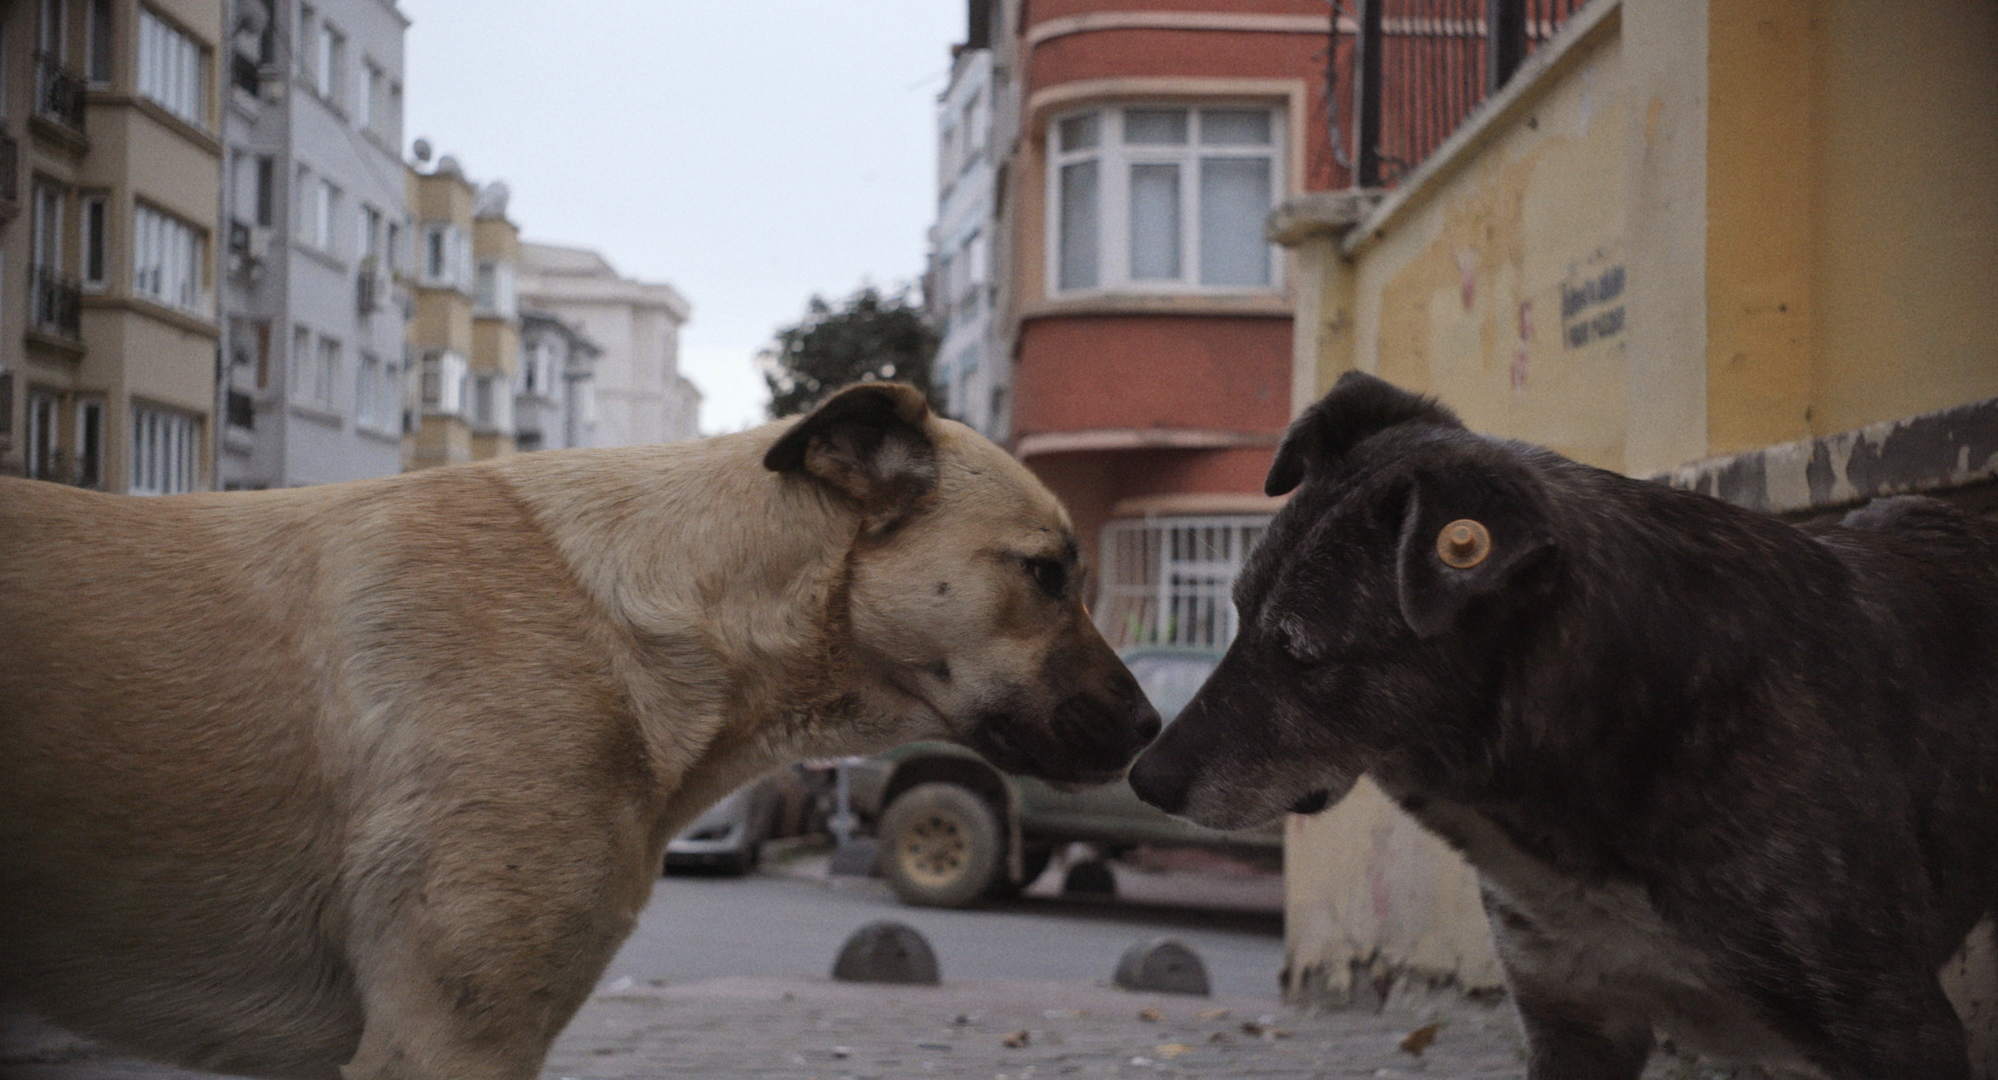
[1050,574]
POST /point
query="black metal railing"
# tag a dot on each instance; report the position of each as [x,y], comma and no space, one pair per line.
[55,303]
[244,73]
[58,92]
[1420,67]
[241,410]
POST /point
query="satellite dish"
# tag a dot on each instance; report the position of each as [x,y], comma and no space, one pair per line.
[448,166]
[420,150]
[491,200]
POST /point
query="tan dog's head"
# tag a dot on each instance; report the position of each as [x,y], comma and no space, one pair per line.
[964,593]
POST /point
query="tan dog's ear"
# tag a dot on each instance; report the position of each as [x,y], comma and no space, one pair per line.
[870,441]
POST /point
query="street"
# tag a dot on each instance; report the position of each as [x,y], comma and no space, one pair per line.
[729,977]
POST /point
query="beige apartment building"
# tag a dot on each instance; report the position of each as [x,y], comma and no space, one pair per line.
[1745,246]
[110,170]
[465,336]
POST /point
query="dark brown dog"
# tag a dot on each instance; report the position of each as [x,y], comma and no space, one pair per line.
[1723,780]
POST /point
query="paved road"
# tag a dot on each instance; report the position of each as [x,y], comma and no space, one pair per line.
[727,978]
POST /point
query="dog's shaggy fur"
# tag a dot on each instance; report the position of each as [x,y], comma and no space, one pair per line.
[1723,779]
[371,779]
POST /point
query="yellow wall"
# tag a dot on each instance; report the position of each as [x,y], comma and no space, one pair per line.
[1905,209]
[1690,229]
[1464,295]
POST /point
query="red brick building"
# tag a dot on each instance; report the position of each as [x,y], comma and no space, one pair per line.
[1147,318]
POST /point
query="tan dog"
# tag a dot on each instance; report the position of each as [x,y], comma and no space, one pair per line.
[371,779]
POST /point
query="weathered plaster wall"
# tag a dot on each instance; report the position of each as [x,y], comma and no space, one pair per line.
[1506,289]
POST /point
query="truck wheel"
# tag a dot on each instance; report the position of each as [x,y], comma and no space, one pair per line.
[940,846]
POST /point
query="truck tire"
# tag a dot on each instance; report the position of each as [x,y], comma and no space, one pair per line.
[941,846]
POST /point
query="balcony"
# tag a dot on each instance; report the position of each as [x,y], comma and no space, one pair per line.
[245,74]
[55,304]
[58,93]
[242,411]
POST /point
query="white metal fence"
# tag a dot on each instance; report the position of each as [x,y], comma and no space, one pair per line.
[1167,580]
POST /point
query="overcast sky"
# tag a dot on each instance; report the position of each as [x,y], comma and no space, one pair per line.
[749,152]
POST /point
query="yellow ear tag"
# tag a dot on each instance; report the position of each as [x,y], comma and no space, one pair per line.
[1463,544]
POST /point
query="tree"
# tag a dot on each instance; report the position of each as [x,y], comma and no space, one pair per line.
[869,337]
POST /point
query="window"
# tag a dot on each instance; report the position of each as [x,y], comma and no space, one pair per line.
[301,364]
[325,373]
[318,207]
[90,442]
[309,33]
[329,69]
[165,451]
[43,449]
[392,247]
[1168,581]
[368,399]
[447,257]
[366,94]
[370,238]
[170,69]
[1163,199]
[46,244]
[493,294]
[98,67]
[441,383]
[96,241]
[255,188]
[167,260]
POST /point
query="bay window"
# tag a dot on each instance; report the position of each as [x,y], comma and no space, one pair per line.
[1163,198]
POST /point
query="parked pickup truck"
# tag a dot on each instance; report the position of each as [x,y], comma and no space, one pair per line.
[953,829]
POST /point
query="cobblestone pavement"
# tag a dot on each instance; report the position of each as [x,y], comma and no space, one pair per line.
[809,1029]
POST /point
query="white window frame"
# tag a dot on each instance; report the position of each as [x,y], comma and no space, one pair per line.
[451,266]
[441,383]
[166,451]
[172,69]
[1170,580]
[368,392]
[169,259]
[494,293]
[1114,159]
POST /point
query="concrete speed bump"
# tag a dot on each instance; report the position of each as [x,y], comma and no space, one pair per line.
[1163,966]
[890,952]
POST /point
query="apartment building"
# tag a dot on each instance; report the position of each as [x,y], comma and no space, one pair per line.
[976,386]
[640,396]
[555,403]
[314,287]
[464,335]
[1137,353]
[109,172]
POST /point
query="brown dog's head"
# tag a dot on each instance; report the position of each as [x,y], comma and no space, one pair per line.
[1369,611]
[964,596]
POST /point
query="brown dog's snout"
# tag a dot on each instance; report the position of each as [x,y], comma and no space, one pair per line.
[1147,723]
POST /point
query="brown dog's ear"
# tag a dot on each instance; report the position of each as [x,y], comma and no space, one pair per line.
[1357,406]
[870,441]
[1463,537]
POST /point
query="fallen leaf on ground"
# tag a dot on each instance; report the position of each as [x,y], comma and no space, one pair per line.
[1172,1050]
[1017,1039]
[1150,1014]
[1214,1014]
[1419,1039]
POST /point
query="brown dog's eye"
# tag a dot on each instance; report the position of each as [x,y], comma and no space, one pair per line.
[1050,574]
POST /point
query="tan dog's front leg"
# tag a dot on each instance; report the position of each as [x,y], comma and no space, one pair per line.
[431,1017]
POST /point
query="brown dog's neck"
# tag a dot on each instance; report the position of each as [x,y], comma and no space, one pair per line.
[725,607]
